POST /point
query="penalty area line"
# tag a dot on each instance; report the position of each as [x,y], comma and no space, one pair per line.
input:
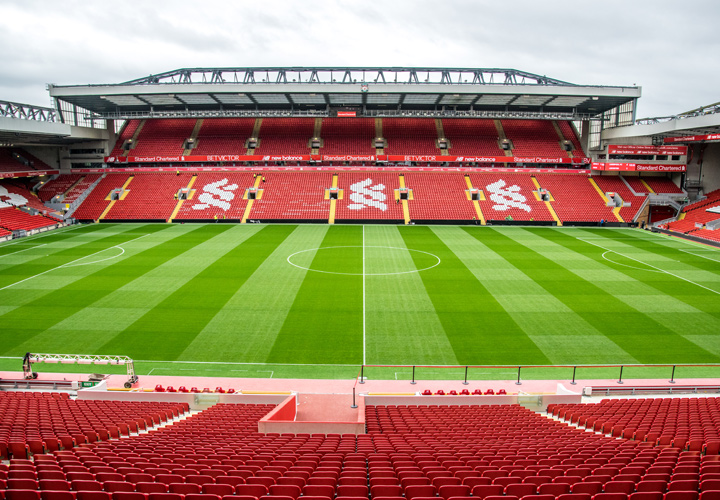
[654,267]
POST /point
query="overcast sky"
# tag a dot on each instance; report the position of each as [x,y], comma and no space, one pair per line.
[670,48]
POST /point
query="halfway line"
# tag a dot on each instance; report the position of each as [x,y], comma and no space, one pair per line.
[363,289]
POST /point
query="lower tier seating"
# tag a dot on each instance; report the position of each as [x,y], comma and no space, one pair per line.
[368,195]
[288,196]
[97,201]
[12,219]
[151,196]
[438,197]
[33,423]
[614,184]
[217,195]
[576,199]
[488,452]
[57,186]
[509,195]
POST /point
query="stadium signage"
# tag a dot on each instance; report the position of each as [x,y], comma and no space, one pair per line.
[346,114]
[381,158]
[260,168]
[637,167]
[693,138]
[348,157]
[8,175]
[623,149]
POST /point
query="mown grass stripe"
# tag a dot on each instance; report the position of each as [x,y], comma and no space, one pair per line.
[57,255]
[478,328]
[246,328]
[637,333]
[563,335]
[100,321]
[324,324]
[22,324]
[165,331]
[402,326]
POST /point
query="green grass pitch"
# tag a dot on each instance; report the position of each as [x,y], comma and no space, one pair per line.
[318,301]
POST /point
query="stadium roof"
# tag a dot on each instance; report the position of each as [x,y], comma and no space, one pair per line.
[482,92]
[701,121]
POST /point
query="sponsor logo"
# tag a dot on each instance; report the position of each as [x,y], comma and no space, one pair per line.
[8,199]
[363,194]
[223,158]
[111,159]
[216,194]
[265,158]
[479,159]
[348,158]
[419,158]
[506,197]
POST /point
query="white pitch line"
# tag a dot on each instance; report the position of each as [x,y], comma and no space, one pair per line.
[24,249]
[70,263]
[701,256]
[654,267]
[363,291]
[34,237]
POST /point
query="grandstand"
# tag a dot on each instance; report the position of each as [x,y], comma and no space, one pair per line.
[304,233]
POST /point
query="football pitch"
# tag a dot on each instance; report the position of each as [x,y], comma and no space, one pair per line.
[319,301]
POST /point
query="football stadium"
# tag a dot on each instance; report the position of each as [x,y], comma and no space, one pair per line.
[358,283]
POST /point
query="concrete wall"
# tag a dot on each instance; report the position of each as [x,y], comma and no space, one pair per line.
[710,175]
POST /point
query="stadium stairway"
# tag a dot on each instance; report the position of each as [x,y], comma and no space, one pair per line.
[181,201]
[476,203]
[248,207]
[333,202]
[112,202]
[405,208]
[615,210]
[548,204]
[193,136]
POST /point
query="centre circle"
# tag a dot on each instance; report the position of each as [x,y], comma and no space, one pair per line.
[366,260]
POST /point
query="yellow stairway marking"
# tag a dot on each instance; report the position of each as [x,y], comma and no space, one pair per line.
[616,210]
[650,190]
[258,180]
[682,216]
[180,202]
[333,203]
[476,203]
[406,209]
[122,197]
[547,203]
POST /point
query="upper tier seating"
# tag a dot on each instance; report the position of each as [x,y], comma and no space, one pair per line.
[614,184]
[217,194]
[57,186]
[127,132]
[663,185]
[348,136]
[150,197]
[680,423]
[81,187]
[285,136]
[293,195]
[472,137]
[439,196]
[44,422]
[410,136]
[509,195]
[576,200]
[19,160]
[568,131]
[223,136]
[533,138]
[368,195]
[163,137]
[95,204]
